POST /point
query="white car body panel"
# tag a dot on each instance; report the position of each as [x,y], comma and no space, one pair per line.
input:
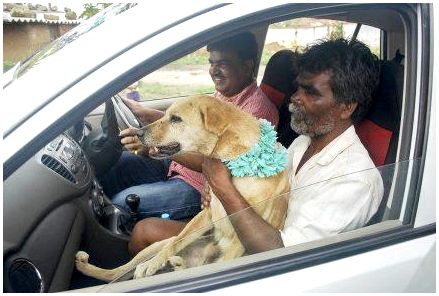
[404,267]
[382,270]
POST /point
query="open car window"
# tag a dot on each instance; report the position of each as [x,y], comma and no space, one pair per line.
[189,75]
[388,217]
[186,76]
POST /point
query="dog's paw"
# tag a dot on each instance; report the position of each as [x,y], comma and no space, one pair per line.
[177,262]
[140,270]
[81,260]
[148,268]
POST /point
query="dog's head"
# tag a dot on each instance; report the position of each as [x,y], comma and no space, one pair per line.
[201,124]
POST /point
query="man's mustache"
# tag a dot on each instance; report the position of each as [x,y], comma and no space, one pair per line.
[297,112]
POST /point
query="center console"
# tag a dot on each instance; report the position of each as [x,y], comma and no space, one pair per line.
[65,157]
[112,217]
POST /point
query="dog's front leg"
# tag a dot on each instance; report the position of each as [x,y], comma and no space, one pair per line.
[193,230]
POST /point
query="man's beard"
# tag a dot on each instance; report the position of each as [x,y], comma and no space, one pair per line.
[303,124]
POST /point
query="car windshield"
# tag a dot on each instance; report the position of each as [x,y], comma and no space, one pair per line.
[71,36]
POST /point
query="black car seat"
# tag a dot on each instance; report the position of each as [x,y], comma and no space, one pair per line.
[379,130]
[278,84]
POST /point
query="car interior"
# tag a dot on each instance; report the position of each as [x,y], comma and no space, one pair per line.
[55,206]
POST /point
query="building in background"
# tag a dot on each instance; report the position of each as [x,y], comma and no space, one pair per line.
[29,27]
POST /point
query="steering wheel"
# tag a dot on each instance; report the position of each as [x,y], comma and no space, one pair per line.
[102,146]
[124,116]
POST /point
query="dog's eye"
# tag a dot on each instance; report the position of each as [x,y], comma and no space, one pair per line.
[175,119]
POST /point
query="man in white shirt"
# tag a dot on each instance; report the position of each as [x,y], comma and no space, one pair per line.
[335,186]
[336,190]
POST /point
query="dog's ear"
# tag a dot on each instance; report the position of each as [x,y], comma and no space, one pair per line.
[214,121]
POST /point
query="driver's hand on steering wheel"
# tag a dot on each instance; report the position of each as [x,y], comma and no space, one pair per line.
[132,143]
[144,114]
[135,106]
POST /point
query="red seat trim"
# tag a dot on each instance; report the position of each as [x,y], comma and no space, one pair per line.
[375,139]
[273,94]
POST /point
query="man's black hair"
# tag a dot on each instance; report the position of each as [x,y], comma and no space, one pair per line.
[354,71]
[243,44]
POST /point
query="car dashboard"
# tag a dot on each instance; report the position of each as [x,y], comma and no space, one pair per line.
[42,224]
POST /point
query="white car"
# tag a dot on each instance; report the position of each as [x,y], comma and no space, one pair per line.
[53,143]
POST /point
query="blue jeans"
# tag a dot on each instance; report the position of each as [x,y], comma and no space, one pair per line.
[148,179]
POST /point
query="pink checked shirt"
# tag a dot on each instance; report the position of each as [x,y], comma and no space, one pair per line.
[252,100]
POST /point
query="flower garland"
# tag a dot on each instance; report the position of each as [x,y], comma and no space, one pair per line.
[266,158]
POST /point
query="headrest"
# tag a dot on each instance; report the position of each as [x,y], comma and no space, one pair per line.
[379,130]
[279,76]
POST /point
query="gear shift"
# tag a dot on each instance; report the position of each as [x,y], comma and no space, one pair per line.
[133,201]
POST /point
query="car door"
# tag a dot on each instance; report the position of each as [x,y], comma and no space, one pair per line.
[383,255]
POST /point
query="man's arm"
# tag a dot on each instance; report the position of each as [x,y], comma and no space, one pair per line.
[191,161]
[146,115]
[253,231]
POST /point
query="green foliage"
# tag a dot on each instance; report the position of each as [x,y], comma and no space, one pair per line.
[337,31]
[8,65]
[154,91]
[71,15]
[90,9]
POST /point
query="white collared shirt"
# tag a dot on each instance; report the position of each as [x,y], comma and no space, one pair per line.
[336,190]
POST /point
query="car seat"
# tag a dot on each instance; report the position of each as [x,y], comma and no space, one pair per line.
[278,84]
[379,130]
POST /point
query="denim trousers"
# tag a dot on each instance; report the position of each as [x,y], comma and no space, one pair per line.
[148,179]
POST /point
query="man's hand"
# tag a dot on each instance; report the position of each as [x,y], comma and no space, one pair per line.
[218,176]
[132,143]
[205,196]
[254,232]
[146,115]
[220,180]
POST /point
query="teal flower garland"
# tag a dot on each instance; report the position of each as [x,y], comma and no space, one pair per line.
[266,158]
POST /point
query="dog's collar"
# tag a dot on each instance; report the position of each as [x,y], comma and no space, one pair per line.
[266,158]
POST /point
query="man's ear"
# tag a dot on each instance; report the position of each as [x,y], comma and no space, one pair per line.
[250,67]
[347,110]
[214,122]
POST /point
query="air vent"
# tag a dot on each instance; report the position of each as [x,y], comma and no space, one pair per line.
[57,167]
[24,277]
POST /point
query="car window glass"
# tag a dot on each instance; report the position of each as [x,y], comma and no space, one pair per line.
[297,34]
[392,175]
[370,36]
[186,76]
[72,35]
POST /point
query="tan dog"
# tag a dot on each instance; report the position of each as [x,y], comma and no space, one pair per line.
[210,127]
